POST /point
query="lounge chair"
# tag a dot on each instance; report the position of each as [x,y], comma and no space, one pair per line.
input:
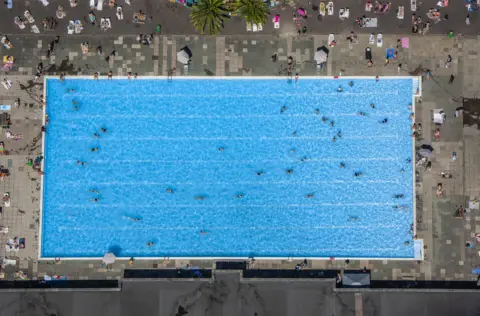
[29,16]
[400,12]
[379,40]
[249,27]
[371,39]
[330,10]
[254,27]
[260,27]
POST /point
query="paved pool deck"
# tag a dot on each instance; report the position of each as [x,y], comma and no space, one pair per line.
[444,236]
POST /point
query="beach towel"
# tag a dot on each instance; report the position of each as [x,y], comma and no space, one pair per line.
[21,243]
[371,39]
[405,42]
[330,8]
[390,53]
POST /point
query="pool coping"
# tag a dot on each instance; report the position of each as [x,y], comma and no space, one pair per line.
[418,243]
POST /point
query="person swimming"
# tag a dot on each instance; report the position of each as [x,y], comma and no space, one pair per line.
[310,195]
[168,190]
[342,165]
[199,198]
[304,158]
[353,218]
[350,83]
[150,244]
[362,113]
[294,134]
[82,163]
[221,149]
[94,149]
[398,196]
[358,174]
[96,135]
[239,196]
[95,200]
[289,171]
[94,191]
[339,89]
[372,105]
[202,232]
[259,173]
[74,102]
[339,134]
[324,119]
[283,109]
[332,123]
[384,121]
[334,139]
[103,130]
[316,111]
[70,90]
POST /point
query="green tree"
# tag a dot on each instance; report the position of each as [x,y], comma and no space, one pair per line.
[255,11]
[208,16]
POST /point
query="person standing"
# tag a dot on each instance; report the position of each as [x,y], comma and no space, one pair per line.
[467,19]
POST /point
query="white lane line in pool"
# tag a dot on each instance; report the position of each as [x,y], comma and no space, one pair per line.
[148,183]
[226,138]
[75,117]
[100,205]
[140,227]
[142,96]
[180,161]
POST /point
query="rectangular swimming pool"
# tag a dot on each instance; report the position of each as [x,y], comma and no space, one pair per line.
[228,167]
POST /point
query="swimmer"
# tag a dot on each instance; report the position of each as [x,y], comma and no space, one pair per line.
[316,111]
[350,83]
[294,133]
[398,196]
[150,243]
[94,191]
[70,90]
[289,171]
[94,149]
[74,102]
[310,195]
[221,149]
[96,135]
[339,134]
[353,218]
[76,108]
[202,232]
[283,109]
[400,207]
[324,119]
[168,190]
[407,243]
[332,123]
[402,170]
[199,198]
[135,219]
[62,77]
[362,113]
[95,200]
[372,105]
[342,165]
[409,160]
[339,89]
[103,130]
[82,163]
[239,196]
[334,139]
[384,121]
[304,158]
[292,150]
[259,173]
[358,174]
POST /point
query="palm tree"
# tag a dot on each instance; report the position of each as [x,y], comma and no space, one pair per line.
[255,11]
[208,16]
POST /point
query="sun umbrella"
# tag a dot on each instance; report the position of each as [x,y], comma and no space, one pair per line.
[183,57]
[427,147]
[109,258]
[321,55]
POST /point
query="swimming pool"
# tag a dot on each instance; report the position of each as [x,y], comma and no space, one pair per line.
[270,178]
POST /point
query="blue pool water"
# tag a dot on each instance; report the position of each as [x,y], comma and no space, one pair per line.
[167,135]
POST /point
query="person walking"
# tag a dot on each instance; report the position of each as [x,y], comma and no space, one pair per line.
[467,19]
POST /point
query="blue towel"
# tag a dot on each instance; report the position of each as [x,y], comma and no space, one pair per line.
[476,271]
[390,53]
[9,4]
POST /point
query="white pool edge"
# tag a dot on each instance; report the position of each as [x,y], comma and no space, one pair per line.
[414,96]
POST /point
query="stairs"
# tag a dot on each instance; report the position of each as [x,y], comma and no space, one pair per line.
[417,86]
